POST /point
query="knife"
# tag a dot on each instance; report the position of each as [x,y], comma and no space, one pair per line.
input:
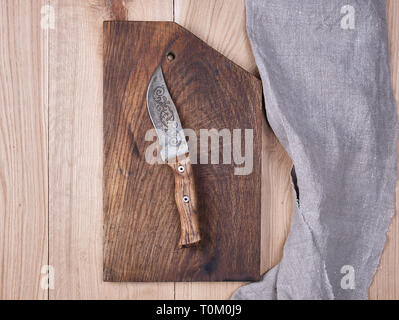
[175,152]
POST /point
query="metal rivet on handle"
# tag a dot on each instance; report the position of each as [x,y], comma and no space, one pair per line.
[186,199]
[180,169]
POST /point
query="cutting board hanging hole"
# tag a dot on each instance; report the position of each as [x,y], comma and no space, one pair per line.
[171,56]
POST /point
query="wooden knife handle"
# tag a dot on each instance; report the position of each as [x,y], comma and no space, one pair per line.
[186,201]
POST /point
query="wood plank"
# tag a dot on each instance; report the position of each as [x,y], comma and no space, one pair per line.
[141,218]
[277,199]
[23,149]
[386,280]
[221,24]
[76,162]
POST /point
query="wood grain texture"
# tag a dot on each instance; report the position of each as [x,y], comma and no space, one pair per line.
[23,150]
[76,215]
[221,24]
[141,219]
[277,198]
[386,279]
[187,208]
[117,9]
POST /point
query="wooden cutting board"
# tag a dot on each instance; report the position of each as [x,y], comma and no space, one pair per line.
[141,222]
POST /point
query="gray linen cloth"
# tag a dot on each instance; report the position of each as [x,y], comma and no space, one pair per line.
[325,72]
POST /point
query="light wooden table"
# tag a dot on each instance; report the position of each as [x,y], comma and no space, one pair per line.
[51,147]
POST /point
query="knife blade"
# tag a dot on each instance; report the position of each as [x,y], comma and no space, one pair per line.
[175,152]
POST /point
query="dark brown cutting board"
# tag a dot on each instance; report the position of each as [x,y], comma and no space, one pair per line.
[141,222]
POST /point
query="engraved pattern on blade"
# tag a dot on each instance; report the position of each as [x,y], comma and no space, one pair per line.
[165,118]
